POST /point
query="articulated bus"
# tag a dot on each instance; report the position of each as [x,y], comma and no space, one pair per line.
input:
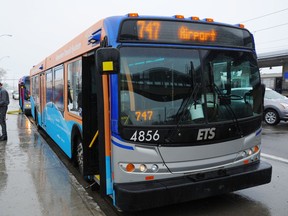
[24,95]
[149,107]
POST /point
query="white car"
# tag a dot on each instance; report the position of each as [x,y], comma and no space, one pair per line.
[15,95]
[275,107]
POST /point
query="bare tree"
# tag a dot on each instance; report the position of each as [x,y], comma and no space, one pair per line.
[2,73]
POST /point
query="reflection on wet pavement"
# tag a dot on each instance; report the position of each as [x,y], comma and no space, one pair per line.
[32,179]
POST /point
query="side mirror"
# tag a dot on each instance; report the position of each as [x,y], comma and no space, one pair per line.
[107,60]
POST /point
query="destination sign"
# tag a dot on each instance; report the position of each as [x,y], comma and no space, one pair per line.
[184,32]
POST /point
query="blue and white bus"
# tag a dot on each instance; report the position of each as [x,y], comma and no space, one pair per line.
[145,105]
[24,95]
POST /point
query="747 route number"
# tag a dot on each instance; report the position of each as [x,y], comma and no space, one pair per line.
[142,136]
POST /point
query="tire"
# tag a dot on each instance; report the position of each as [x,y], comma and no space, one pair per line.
[79,155]
[271,117]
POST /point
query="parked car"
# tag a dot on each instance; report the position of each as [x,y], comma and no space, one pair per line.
[275,107]
[15,95]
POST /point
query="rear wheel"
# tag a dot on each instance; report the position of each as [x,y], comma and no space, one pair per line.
[271,117]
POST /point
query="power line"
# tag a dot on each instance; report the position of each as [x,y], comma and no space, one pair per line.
[262,49]
[272,41]
[271,27]
[245,21]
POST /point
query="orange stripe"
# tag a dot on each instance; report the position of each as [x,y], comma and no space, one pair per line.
[106,115]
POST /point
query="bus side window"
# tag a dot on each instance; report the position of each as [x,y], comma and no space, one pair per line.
[75,87]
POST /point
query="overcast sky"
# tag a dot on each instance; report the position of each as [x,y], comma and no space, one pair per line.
[40,27]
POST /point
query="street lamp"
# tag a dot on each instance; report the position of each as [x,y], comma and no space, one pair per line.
[4,57]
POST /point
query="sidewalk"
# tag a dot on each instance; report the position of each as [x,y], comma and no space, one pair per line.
[33,181]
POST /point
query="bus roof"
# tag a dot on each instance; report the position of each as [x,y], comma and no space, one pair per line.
[23,79]
[80,44]
[72,49]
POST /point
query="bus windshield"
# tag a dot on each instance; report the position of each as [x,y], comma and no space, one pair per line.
[169,86]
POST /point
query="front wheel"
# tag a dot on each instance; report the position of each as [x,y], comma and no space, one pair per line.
[271,117]
[79,156]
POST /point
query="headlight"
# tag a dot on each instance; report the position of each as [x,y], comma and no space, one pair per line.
[130,167]
[139,168]
[142,168]
[249,155]
[154,168]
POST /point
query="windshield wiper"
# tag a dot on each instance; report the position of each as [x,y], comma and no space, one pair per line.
[225,99]
[182,111]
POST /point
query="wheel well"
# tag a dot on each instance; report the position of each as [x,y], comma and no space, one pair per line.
[272,109]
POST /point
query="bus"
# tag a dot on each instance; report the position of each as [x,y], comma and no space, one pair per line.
[144,105]
[24,95]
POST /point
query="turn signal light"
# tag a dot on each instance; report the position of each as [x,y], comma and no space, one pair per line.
[130,167]
[256,148]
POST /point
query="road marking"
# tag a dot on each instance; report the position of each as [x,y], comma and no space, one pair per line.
[274,158]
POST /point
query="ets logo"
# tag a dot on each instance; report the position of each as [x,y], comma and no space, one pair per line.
[206,134]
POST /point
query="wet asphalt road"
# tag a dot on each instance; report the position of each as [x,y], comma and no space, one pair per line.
[33,181]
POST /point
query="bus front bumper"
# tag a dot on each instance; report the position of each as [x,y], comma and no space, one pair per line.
[151,194]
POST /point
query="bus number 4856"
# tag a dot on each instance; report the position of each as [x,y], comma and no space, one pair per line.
[147,136]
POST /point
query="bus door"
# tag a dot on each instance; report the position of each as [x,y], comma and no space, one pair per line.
[21,95]
[89,117]
[107,62]
[42,95]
